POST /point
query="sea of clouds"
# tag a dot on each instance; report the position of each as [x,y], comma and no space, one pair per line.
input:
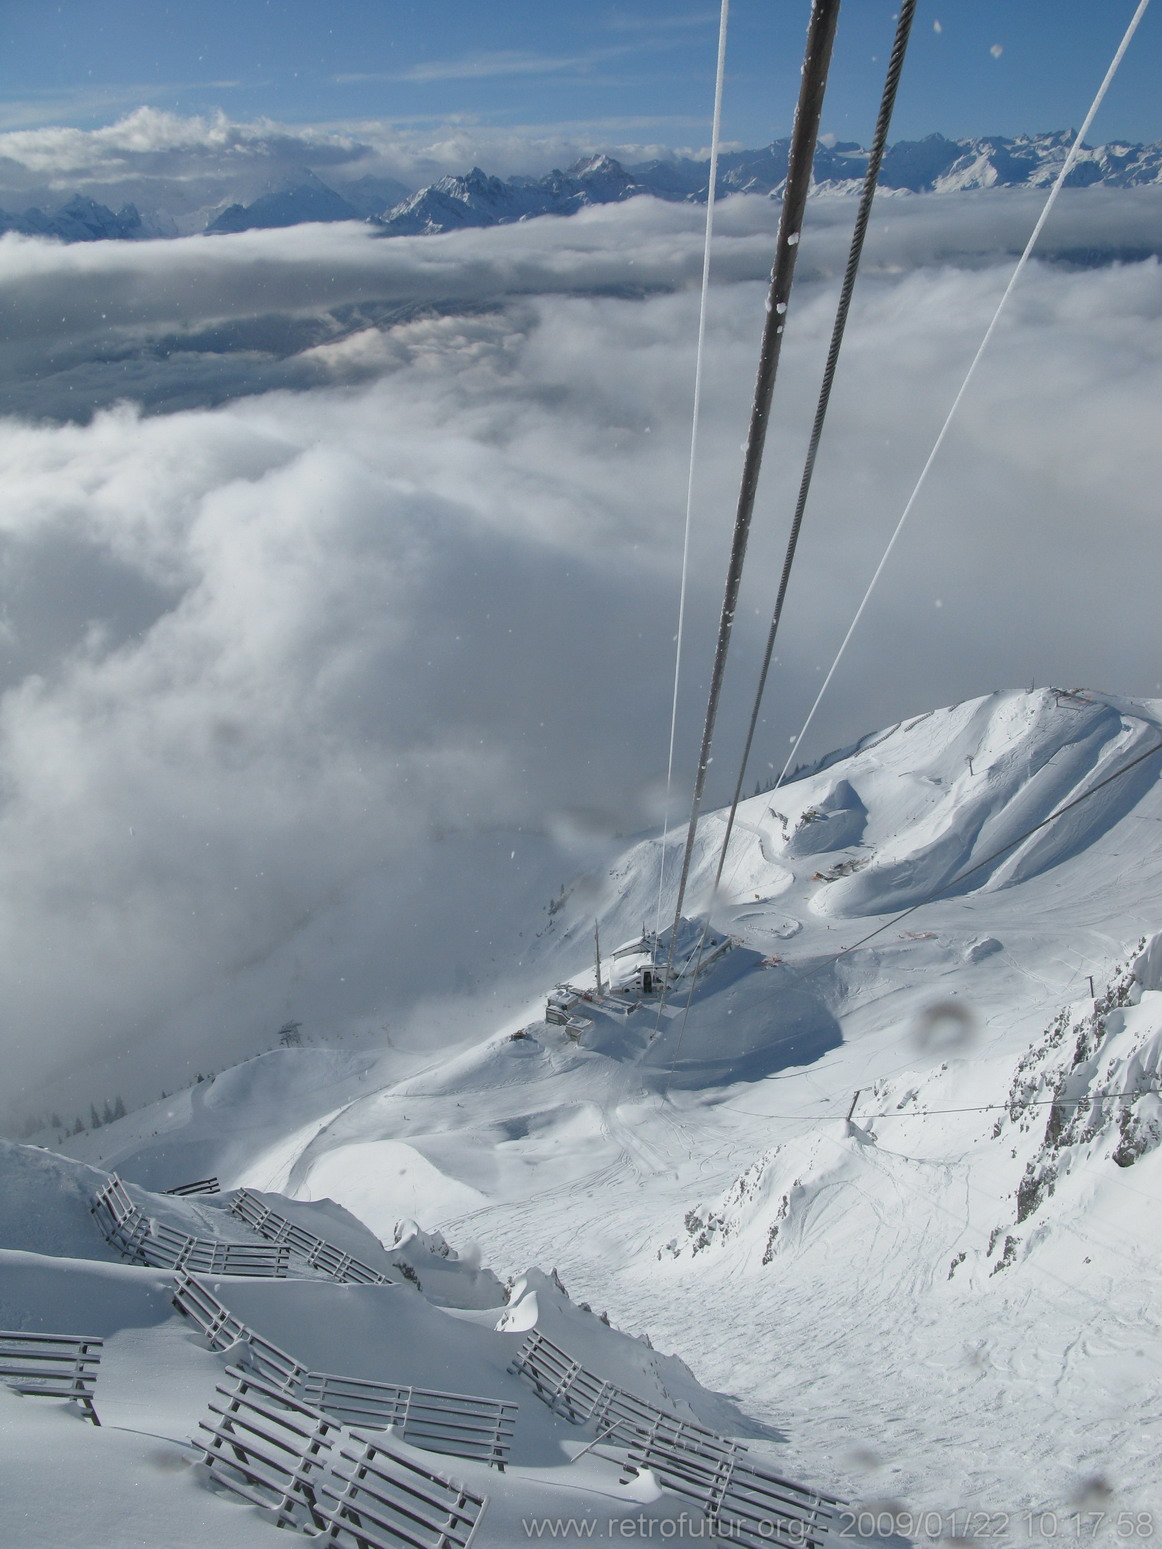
[341,579]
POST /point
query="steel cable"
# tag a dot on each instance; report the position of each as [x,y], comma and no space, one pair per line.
[804,132]
[855,252]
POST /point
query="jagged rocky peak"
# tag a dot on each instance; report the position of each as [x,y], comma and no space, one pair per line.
[599,164]
[80,219]
[299,198]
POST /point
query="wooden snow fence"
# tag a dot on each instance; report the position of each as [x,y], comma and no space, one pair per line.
[142,1240]
[223,1331]
[51,1366]
[315,1475]
[319,1254]
[120,1220]
[752,1506]
[457,1424]
[565,1385]
[201,1186]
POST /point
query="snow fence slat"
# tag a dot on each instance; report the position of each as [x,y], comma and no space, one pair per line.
[585,1398]
[283,1454]
[710,1469]
[760,1508]
[223,1331]
[267,1453]
[199,1186]
[423,1509]
[51,1366]
[456,1424]
[142,1240]
[318,1253]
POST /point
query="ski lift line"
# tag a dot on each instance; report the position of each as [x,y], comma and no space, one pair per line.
[855,252]
[1041,1269]
[804,132]
[1066,167]
[924,1113]
[715,140]
[934,1203]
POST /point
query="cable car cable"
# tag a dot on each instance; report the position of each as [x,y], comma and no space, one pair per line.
[855,252]
[804,133]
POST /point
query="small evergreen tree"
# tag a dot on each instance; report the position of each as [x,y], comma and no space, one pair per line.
[94,1117]
[119,1108]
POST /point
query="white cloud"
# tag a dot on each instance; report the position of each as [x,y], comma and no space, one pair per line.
[191,166]
[286,675]
[149,141]
[506,62]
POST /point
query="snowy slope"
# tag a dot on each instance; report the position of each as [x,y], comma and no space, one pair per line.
[948,1302]
[64,1482]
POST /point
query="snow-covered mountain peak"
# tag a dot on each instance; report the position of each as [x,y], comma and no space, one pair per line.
[601,165]
[300,198]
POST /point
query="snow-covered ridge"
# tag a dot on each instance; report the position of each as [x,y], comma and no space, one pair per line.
[933,164]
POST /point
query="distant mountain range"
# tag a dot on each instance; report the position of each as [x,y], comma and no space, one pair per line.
[931,165]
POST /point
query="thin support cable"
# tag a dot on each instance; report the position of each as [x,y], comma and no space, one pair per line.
[1093,1099]
[715,140]
[1066,168]
[804,132]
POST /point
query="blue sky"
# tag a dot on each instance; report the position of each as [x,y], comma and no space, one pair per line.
[623,72]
